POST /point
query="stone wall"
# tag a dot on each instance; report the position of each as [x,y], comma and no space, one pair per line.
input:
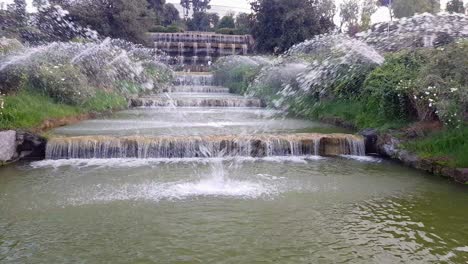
[387,145]
[20,145]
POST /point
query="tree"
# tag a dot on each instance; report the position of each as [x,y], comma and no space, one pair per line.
[195,6]
[170,15]
[367,9]
[279,24]
[227,22]
[19,13]
[39,3]
[349,11]
[202,21]
[455,6]
[129,20]
[407,8]
[243,23]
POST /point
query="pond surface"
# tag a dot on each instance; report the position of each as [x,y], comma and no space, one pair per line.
[226,210]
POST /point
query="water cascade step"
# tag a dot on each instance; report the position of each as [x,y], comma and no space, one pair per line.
[196,102]
[199,89]
[198,79]
[262,145]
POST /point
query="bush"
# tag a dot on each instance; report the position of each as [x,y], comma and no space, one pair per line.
[65,84]
[381,91]
[237,72]
[227,31]
[9,45]
[168,29]
[158,29]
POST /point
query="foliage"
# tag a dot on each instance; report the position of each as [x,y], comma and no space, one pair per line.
[127,20]
[202,21]
[455,6]
[349,11]
[227,31]
[195,5]
[356,15]
[227,22]
[277,25]
[449,145]
[380,86]
[170,15]
[243,23]
[163,29]
[407,8]
[73,73]
[9,45]
[237,72]
[65,84]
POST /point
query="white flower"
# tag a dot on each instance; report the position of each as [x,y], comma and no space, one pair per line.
[453,89]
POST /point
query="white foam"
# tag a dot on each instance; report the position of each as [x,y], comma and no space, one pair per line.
[362,158]
[153,191]
[462,249]
[132,163]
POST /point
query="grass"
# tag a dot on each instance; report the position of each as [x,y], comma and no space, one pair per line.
[356,112]
[28,109]
[103,101]
[451,146]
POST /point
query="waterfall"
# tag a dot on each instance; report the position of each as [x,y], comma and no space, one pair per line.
[196,102]
[194,79]
[199,89]
[103,147]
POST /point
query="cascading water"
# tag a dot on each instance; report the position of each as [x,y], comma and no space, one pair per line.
[265,145]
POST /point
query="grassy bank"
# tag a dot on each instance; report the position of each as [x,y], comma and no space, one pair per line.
[28,109]
[449,147]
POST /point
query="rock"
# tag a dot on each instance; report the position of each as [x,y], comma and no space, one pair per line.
[370,139]
[409,159]
[461,175]
[387,145]
[30,146]
[7,145]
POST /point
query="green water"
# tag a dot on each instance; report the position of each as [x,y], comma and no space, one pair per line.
[277,210]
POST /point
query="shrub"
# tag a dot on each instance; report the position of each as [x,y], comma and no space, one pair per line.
[9,45]
[227,31]
[158,29]
[383,91]
[65,84]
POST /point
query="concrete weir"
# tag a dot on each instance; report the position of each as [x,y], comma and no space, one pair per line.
[262,145]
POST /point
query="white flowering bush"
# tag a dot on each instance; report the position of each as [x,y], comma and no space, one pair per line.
[72,72]
[66,84]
